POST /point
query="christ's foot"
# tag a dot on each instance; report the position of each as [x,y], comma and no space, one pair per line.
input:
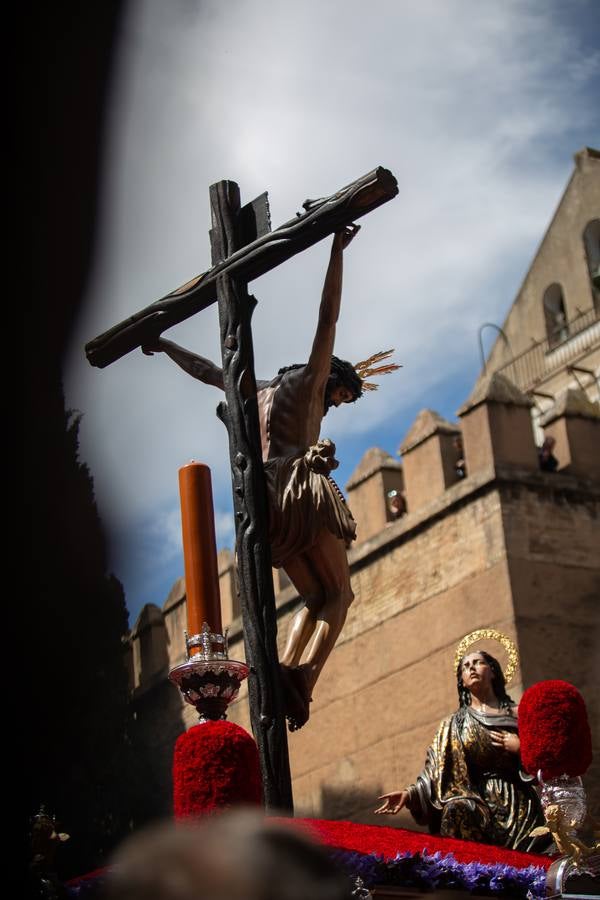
[296,695]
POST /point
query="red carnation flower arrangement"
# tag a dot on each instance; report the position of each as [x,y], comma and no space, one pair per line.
[554,730]
[215,765]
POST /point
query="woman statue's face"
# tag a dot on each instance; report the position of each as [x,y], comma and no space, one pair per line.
[475,671]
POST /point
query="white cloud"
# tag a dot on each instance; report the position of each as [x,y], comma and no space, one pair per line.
[224,528]
[476,108]
[165,531]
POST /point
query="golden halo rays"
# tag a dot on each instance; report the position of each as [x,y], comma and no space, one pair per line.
[490,634]
[365,368]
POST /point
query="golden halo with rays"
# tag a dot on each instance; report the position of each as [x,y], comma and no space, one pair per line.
[489,634]
[365,368]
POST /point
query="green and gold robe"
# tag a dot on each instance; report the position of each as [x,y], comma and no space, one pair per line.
[471,789]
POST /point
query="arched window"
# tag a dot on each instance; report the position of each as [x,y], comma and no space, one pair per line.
[557,328]
[591,242]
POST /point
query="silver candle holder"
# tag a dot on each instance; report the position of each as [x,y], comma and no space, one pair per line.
[564,804]
[209,680]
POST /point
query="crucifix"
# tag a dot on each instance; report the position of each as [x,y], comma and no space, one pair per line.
[243,247]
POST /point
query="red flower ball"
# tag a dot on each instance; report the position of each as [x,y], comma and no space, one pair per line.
[554,730]
[215,765]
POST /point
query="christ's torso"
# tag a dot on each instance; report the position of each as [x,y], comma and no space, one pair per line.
[290,409]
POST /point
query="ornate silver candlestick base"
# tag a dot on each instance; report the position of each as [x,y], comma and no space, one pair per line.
[209,680]
[567,795]
[565,810]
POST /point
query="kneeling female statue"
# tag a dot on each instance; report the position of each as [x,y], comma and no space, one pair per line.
[472,786]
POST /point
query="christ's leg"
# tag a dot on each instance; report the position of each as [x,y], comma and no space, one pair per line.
[304,622]
[329,561]
[297,691]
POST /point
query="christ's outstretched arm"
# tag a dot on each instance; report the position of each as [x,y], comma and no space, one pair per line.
[196,366]
[319,363]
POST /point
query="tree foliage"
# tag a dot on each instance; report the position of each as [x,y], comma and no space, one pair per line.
[81,761]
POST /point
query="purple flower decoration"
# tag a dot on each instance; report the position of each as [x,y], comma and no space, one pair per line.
[431,871]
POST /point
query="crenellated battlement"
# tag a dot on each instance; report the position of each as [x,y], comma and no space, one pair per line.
[495,432]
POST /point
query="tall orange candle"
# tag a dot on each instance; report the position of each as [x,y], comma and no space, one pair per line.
[199,549]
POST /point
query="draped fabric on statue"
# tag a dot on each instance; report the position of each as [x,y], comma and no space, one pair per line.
[471,789]
[304,499]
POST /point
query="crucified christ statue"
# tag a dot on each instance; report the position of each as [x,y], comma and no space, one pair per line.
[243,247]
[310,525]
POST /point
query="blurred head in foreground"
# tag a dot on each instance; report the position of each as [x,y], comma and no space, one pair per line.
[236,855]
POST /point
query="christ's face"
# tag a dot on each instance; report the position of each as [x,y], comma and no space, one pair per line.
[340,394]
[336,393]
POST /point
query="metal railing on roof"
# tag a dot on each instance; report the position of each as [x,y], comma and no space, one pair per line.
[533,365]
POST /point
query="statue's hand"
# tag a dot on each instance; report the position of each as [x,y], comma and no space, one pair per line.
[506,740]
[342,238]
[152,347]
[393,803]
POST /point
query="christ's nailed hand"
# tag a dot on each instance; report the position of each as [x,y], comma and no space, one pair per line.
[345,235]
[151,348]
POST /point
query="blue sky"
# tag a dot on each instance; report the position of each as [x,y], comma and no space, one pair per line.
[477,108]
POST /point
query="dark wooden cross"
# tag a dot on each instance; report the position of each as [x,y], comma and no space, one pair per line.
[244,247]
